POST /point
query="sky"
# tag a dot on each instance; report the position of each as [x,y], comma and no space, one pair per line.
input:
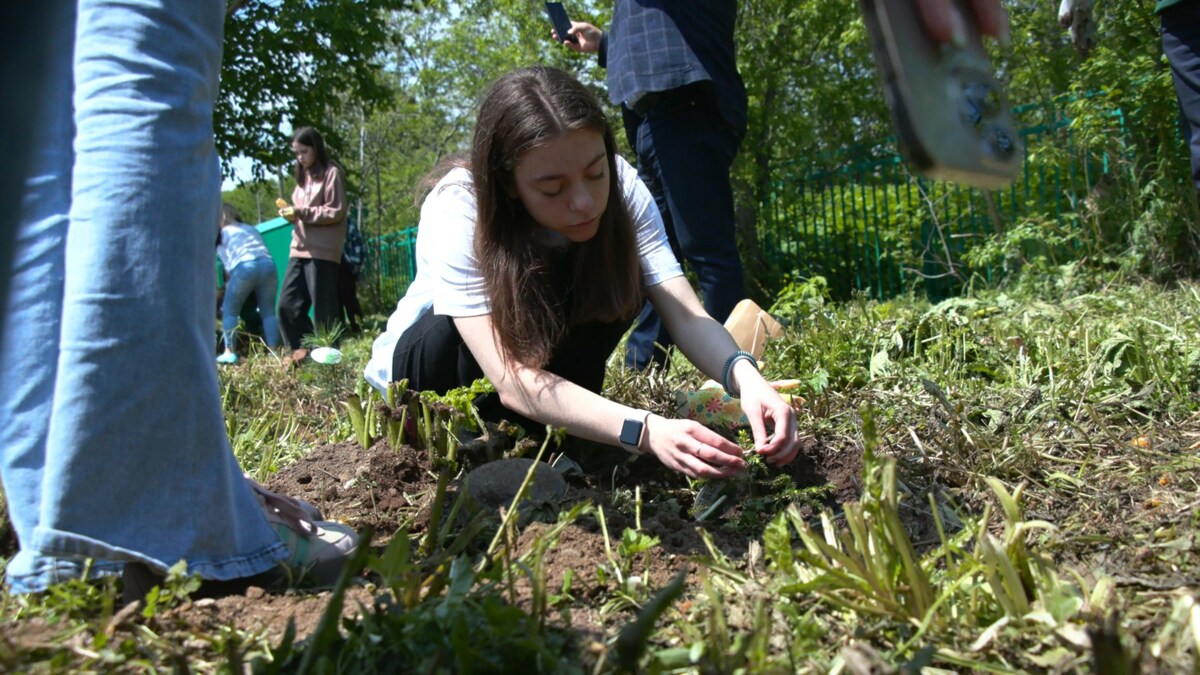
[241,172]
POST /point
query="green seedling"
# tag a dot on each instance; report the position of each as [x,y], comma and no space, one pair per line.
[632,640]
[363,410]
[397,412]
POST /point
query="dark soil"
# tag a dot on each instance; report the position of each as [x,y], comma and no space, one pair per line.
[385,490]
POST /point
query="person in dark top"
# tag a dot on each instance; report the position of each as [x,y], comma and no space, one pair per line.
[672,68]
[1180,21]
[348,274]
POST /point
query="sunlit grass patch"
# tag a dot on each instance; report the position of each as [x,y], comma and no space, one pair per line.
[1025,499]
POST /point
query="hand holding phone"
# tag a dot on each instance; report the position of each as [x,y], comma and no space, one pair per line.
[950,111]
[562,24]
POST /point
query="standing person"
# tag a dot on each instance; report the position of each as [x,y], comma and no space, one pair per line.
[318,215]
[348,272]
[533,257]
[112,442]
[245,257]
[672,68]
[1180,23]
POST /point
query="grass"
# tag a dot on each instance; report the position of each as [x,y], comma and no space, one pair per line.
[1027,502]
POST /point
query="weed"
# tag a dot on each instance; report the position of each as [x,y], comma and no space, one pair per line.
[1027,503]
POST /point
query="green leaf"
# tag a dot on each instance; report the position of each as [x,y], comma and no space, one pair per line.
[880,363]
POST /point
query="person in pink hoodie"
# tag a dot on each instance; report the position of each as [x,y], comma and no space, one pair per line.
[318,214]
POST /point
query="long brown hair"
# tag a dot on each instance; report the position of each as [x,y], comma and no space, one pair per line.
[522,110]
[313,139]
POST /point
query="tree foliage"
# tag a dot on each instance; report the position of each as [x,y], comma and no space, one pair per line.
[442,60]
[395,84]
[294,63]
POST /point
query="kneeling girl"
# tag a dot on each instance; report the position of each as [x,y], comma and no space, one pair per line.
[532,261]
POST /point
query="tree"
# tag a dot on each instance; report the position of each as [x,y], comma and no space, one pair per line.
[441,61]
[813,93]
[296,61]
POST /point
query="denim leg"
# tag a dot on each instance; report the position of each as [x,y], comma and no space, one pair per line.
[684,156]
[266,283]
[137,465]
[29,343]
[240,286]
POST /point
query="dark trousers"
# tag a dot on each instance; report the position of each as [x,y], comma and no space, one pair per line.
[684,150]
[432,356]
[347,293]
[1181,44]
[307,283]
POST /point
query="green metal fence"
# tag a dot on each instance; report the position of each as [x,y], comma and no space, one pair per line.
[863,221]
[391,265]
[868,225]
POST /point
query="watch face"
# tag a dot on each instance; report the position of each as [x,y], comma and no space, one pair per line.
[631,433]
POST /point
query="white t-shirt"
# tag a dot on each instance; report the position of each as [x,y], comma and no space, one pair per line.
[240,242]
[449,280]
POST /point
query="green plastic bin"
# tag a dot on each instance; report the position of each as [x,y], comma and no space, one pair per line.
[277,233]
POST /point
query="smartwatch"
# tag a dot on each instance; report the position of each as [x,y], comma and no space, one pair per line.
[631,433]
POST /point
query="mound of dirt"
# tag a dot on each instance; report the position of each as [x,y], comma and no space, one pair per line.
[385,489]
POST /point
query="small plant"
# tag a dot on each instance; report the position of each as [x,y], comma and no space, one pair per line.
[323,336]
[362,408]
[175,589]
[440,424]
[397,412]
[871,566]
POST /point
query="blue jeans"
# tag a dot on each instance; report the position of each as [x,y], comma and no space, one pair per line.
[255,276]
[113,445]
[684,155]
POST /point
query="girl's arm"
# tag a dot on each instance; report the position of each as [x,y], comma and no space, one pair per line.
[332,210]
[708,345]
[682,445]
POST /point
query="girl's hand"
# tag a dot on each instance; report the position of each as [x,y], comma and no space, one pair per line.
[288,213]
[763,406]
[692,449]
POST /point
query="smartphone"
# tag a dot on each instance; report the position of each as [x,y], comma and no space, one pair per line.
[951,113]
[562,25]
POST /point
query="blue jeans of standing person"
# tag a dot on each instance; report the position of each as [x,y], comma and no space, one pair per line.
[112,444]
[255,276]
[1181,43]
[685,150]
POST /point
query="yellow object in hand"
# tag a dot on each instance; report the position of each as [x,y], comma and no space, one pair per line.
[281,203]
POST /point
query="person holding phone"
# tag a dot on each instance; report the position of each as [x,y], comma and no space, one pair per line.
[672,68]
[1180,24]
[532,258]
